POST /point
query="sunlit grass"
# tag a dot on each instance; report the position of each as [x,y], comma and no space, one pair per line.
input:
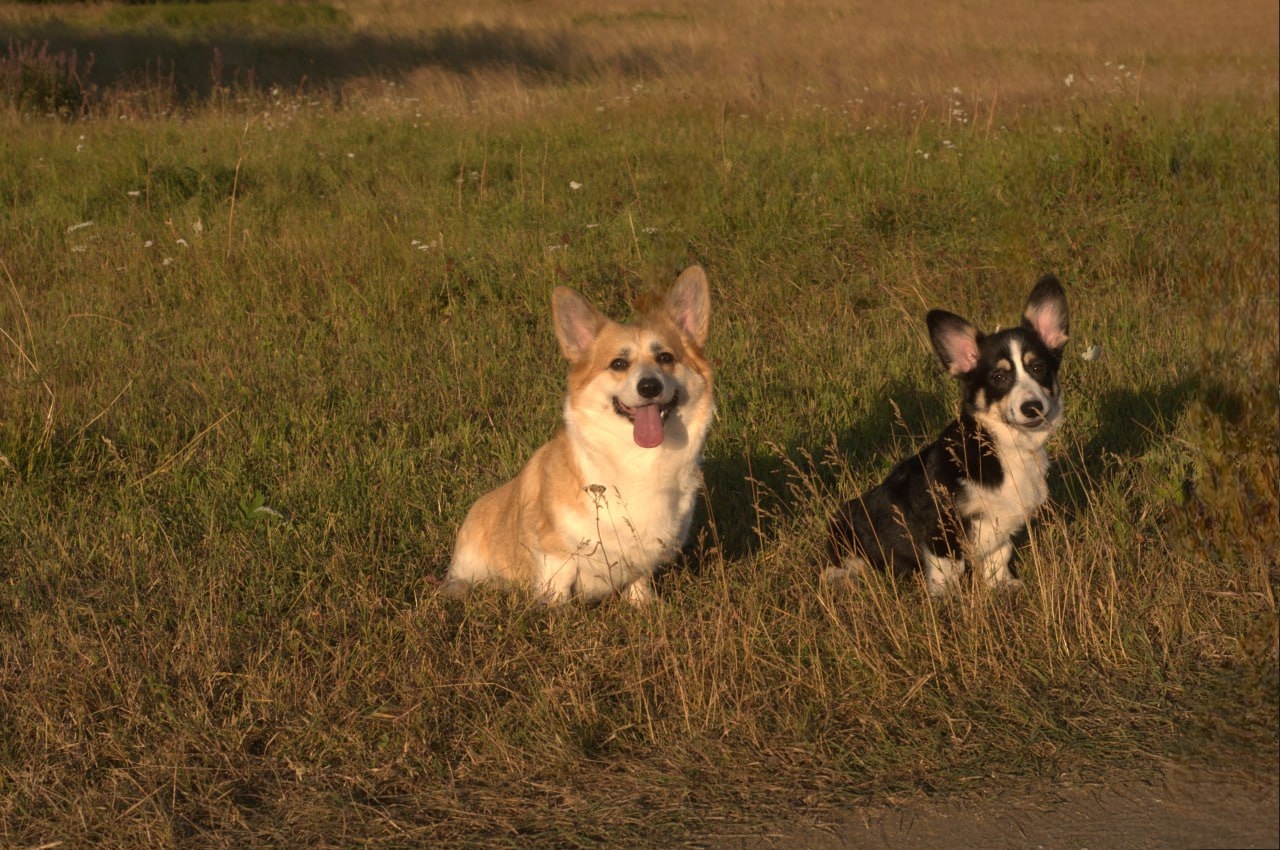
[259,360]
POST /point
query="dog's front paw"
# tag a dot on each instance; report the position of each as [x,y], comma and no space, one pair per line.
[851,572]
[848,575]
[552,597]
[455,588]
[639,593]
[1001,579]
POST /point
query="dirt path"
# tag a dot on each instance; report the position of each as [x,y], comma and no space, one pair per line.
[1182,808]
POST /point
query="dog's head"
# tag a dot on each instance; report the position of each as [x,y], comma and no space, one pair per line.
[646,382]
[1010,376]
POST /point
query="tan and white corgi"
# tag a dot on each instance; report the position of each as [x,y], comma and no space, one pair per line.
[610,498]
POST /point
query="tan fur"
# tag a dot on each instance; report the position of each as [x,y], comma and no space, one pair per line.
[593,512]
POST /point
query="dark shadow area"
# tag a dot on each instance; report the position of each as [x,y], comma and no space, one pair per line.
[919,417]
[1130,423]
[197,65]
[751,487]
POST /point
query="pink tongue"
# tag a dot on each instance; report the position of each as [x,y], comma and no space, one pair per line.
[648,428]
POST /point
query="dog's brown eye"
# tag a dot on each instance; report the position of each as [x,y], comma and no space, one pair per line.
[999,376]
[665,358]
[619,364]
[1037,368]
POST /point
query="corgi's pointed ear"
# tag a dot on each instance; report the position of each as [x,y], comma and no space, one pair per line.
[1046,314]
[688,304]
[955,340]
[577,322]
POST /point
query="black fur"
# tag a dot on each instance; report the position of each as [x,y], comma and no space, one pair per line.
[916,510]
[913,510]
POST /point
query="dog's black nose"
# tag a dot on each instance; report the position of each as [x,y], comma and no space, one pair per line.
[1032,409]
[649,387]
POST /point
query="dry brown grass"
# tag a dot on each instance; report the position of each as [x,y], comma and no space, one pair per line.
[780,54]
[983,61]
[360,342]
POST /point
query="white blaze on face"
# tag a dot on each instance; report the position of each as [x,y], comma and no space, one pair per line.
[646,389]
[1027,389]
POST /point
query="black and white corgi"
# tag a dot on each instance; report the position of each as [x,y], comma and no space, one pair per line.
[964,496]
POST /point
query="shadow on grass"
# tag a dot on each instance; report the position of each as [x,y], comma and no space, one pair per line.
[1132,423]
[198,64]
[752,488]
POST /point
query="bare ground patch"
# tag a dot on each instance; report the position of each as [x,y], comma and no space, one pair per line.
[1178,806]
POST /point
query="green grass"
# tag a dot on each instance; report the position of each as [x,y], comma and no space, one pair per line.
[244,410]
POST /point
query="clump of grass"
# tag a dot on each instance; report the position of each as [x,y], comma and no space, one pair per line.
[34,79]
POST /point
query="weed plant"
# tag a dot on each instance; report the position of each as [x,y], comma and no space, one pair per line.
[259,359]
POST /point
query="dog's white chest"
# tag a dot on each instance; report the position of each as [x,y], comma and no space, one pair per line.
[1000,512]
[631,517]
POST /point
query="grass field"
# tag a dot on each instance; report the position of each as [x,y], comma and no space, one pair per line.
[274,315]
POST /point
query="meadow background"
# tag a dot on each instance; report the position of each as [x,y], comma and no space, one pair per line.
[274,310]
